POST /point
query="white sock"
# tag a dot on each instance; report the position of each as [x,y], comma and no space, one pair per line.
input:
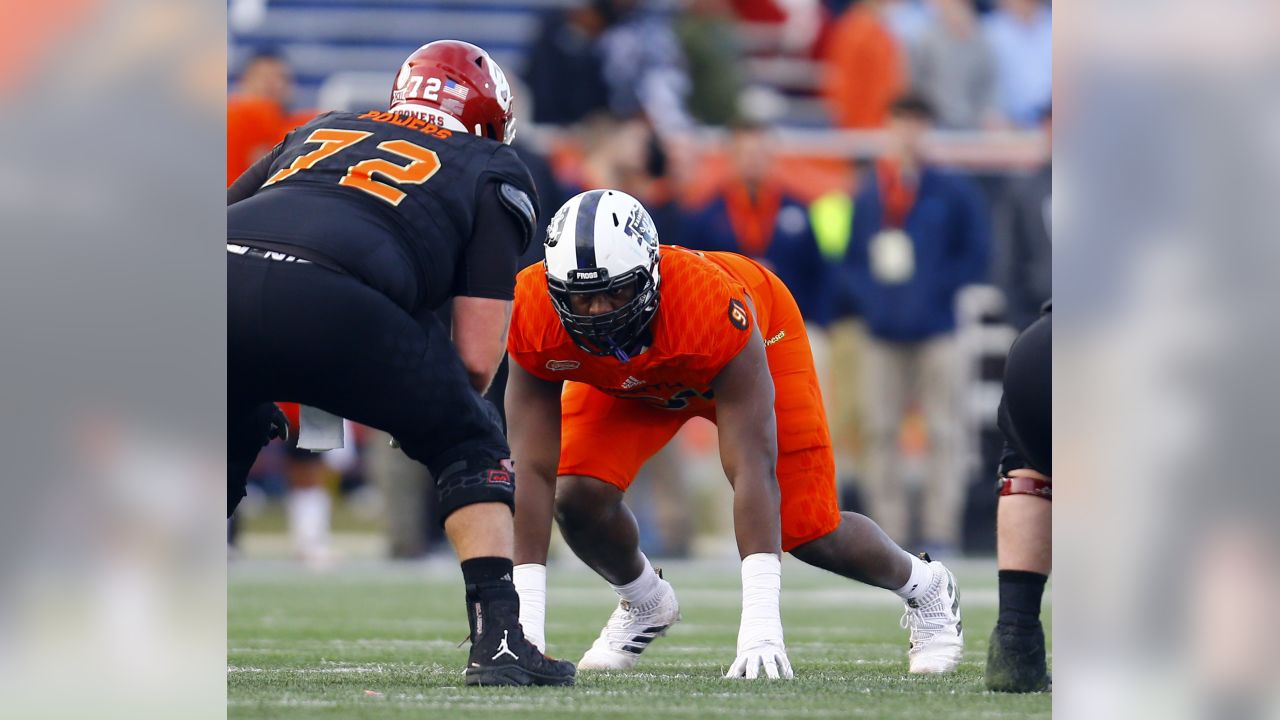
[531,583]
[643,588]
[308,511]
[920,580]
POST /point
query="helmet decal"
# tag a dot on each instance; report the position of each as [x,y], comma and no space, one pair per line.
[556,226]
[501,87]
[640,227]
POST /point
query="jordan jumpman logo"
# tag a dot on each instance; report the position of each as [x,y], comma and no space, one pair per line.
[502,648]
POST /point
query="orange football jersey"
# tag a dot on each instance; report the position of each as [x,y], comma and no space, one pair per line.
[707,303]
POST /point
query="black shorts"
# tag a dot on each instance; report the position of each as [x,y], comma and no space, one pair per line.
[301,333]
[1026,408]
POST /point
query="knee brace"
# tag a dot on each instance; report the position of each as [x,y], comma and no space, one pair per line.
[1010,460]
[476,479]
[1039,487]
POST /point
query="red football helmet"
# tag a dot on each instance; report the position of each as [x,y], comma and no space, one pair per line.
[457,86]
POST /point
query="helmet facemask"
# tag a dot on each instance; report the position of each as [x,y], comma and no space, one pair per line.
[618,332]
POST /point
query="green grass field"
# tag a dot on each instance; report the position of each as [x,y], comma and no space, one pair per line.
[378,640]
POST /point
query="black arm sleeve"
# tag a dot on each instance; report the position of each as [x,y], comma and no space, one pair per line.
[250,180]
[489,262]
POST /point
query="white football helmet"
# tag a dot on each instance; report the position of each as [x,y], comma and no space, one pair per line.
[598,241]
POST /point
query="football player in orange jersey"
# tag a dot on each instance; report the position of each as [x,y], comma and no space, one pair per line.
[615,343]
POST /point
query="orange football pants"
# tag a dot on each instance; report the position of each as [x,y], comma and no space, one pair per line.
[607,438]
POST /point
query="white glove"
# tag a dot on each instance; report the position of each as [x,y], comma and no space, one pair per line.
[770,655]
[760,634]
[531,583]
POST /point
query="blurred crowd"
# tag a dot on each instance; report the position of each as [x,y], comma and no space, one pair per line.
[897,260]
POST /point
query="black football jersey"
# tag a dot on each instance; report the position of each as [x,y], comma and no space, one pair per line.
[387,198]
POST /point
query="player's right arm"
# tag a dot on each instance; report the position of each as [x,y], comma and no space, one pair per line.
[533,429]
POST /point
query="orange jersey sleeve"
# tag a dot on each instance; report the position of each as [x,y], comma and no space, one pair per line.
[536,332]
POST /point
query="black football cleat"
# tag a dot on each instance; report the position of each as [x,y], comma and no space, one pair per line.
[1016,660]
[500,654]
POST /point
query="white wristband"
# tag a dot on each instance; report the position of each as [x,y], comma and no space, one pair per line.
[531,583]
[761,590]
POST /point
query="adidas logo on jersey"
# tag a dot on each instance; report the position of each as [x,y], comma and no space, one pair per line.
[631,382]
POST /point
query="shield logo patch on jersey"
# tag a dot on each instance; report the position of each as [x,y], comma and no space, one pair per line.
[738,314]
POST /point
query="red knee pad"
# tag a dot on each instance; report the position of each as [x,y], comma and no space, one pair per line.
[1039,487]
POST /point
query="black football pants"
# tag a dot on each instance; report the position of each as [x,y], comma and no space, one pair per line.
[301,333]
[1026,408]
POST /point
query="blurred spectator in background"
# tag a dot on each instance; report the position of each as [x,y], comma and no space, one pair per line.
[864,71]
[411,519]
[624,154]
[753,215]
[308,506]
[712,47]
[551,195]
[919,234]
[1023,266]
[643,66]
[1021,36]
[953,69]
[798,22]
[307,481]
[831,216]
[836,7]
[313,479]
[565,66]
[529,145]
[908,20]
[258,112]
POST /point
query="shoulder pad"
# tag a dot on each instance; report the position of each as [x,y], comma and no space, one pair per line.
[518,202]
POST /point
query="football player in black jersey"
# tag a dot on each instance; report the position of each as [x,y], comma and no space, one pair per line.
[340,243]
[1024,540]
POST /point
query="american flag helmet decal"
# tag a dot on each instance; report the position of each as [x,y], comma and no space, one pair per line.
[453,88]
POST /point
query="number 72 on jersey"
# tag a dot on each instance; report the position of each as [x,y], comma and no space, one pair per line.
[423,163]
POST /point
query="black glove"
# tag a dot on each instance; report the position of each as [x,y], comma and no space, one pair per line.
[277,425]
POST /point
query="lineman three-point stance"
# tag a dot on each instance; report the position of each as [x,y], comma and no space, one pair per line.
[615,343]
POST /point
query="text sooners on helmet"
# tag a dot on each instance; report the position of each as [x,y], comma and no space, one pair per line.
[457,86]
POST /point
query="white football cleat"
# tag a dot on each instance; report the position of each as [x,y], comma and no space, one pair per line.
[937,636]
[630,630]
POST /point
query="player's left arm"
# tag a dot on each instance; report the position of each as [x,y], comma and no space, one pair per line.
[485,283]
[749,451]
[749,446]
